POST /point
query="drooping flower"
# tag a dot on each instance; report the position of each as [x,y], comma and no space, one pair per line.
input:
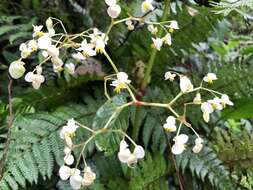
[170,76]
[70,68]
[157,42]
[152,29]
[179,145]
[35,79]
[197,99]
[147,6]
[88,177]
[72,174]
[207,109]
[216,103]
[76,181]
[185,84]
[210,77]
[121,82]
[37,31]
[130,25]
[69,159]
[173,26]
[170,125]
[167,39]
[17,69]
[87,49]
[198,145]
[44,42]
[114,10]
[125,155]
[78,56]
[69,129]
[25,51]
[226,101]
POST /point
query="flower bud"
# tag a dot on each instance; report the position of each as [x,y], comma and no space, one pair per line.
[17,69]
[114,11]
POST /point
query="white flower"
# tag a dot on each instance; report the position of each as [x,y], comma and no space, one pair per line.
[49,23]
[185,84]
[125,155]
[32,45]
[65,172]
[226,101]
[69,129]
[57,61]
[76,181]
[37,31]
[158,42]
[147,6]
[44,42]
[198,145]
[35,79]
[110,2]
[69,159]
[114,11]
[170,76]
[87,49]
[170,124]
[44,54]
[100,45]
[152,29]
[17,69]
[173,25]
[121,81]
[67,150]
[179,145]
[167,39]
[216,103]
[197,99]
[207,109]
[210,77]
[53,51]
[25,51]
[139,152]
[78,56]
[70,68]
[88,177]
[130,25]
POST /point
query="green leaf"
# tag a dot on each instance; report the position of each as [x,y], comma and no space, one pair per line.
[243,108]
[115,119]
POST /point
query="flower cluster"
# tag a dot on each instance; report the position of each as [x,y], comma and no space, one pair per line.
[77,178]
[125,155]
[207,108]
[66,172]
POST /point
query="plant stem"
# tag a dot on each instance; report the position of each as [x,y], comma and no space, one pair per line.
[154,51]
[136,125]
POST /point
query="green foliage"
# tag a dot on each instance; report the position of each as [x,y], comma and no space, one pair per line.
[35,144]
[110,112]
[206,165]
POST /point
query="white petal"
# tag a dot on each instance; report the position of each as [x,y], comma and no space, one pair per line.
[69,159]
[123,145]
[64,172]
[29,77]
[139,152]
[110,2]
[177,148]
[76,181]
[181,139]
[124,155]
[114,11]
[67,150]
[185,84]
[197,148]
